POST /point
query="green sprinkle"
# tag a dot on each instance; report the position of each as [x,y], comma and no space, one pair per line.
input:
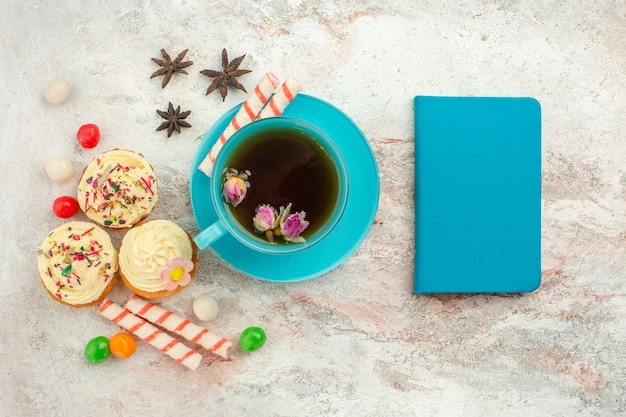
[108,222]
[66,271]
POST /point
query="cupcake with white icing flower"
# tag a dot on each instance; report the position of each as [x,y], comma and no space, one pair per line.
[157,258]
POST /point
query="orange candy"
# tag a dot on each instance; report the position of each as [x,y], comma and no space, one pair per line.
[122,345]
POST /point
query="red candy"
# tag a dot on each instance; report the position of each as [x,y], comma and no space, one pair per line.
[88,135]
[65,206]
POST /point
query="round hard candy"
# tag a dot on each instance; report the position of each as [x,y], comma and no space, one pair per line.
[97,350]
[56,91]
[252,339]
[65,206]
[122,345]
[88,135]
[59,168]
[205,307]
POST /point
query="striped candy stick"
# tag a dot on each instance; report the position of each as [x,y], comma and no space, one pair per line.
[246,114]
[176,324]
[283,96]
[150,334]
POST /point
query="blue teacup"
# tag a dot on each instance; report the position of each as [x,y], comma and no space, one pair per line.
[285,163]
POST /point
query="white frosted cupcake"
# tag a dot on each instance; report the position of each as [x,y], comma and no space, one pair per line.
[118,189]
[157,258]
[77,264]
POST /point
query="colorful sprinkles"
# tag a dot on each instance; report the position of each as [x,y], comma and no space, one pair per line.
[117,194]
[80,251]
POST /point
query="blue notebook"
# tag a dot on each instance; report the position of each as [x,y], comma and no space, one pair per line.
[477,194]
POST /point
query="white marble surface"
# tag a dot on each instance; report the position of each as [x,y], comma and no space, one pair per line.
[355,341]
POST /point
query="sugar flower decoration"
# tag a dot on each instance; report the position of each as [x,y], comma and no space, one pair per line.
[235,186]
[290,226]
[176,273]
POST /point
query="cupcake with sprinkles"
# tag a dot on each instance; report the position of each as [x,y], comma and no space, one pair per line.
[77,264]
[157,258]
[118,189]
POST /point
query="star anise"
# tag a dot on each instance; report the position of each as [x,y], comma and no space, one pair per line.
[170,67]
[227,77]
[173,119]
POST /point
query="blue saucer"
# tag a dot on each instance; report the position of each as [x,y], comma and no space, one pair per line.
[347,235]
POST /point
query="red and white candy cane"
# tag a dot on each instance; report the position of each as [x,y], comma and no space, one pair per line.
[281,99]
[180,326]
[150,334]
[246,114]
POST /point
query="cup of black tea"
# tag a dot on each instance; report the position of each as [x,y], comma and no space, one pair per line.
[279,185]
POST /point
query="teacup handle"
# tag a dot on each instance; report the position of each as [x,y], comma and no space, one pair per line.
[210,235]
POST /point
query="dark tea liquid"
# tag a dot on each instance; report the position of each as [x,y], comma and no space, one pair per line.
[286,166]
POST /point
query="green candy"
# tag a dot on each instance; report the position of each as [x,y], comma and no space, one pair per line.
[97,350]
[251,339]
